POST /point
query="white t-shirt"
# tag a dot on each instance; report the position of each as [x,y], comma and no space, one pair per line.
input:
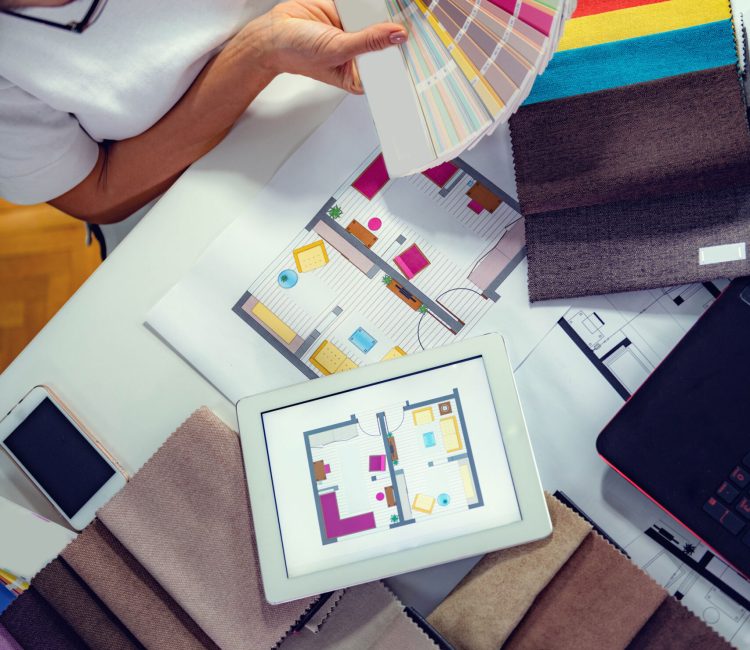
[61,92]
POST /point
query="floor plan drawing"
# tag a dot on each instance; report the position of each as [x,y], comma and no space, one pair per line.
[392,467]
[616,333]
[377,272]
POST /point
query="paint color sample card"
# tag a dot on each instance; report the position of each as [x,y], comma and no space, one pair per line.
[466,67]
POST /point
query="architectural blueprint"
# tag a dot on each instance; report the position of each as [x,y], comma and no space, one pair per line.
[407,464]
[352,268]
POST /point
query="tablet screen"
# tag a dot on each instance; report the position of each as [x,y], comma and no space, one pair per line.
[389,466]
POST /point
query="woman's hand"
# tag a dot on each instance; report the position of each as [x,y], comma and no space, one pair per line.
[305,37]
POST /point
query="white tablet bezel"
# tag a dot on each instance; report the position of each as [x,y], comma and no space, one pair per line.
[534,524]
[18,415]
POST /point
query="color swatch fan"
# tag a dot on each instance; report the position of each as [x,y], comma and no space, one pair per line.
[466,67]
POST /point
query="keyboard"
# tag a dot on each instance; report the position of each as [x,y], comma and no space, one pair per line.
[730,506]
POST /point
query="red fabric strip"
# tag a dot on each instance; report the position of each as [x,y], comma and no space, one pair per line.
[591,7]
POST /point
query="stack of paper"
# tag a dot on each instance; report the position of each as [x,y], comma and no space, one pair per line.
[466,67]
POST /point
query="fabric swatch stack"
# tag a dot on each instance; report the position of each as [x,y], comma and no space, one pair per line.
[170,562]
[633,151]
[570,591]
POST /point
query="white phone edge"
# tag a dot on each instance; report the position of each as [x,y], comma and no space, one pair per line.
[20,412]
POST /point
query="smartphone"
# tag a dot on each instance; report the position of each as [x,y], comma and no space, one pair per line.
[58,454]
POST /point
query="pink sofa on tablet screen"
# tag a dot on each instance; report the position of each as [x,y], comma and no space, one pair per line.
[338,527]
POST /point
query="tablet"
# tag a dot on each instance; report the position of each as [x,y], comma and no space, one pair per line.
[390,468]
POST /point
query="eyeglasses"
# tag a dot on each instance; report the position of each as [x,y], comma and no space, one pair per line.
[78,26]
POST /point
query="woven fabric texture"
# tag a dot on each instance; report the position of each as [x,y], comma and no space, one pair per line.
[599,599]
[635,244]
[635,60]
[186,517]
[130,593]
[648,18]
[79,607]
[682,134]
[673,627]
[7,642]
[367,617]
[486,606]
[36,626]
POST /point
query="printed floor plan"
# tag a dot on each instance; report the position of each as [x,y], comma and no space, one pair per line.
[379,273]
[392,467]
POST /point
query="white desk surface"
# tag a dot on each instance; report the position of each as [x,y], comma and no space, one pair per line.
[128,386]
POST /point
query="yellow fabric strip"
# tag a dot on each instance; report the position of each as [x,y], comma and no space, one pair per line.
[641,21]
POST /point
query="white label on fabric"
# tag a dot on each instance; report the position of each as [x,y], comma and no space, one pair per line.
[722,253]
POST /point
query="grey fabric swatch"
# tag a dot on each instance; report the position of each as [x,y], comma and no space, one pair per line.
[686,133]
[367,617]
[633,245]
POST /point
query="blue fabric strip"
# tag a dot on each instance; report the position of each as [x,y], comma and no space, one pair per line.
[635,60]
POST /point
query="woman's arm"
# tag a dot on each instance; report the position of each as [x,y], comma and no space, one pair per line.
[300,37]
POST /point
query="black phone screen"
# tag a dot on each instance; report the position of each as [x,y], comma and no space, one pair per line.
[59,457]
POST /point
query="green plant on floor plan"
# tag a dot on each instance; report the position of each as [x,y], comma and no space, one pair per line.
[335,212]
[387,279]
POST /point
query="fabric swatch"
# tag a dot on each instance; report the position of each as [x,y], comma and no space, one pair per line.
[485,607]
[592,7]
[77,605]
[636,60]
[318,619]
[186,518]
[36,626]
[651,18]
[633,245]
[130,593]
[599,599]
[682,134]
[673,627]
[367,617]
[7,642]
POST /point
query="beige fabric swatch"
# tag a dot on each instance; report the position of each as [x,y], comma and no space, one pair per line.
[599,599]
[485,607]
[131,593]
[367,617]
[186,517]
[318,619]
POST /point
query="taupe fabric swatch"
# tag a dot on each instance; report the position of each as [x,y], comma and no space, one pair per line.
[485,607]
[318,619]
[185,516]
[367,617]
[599,599]
[632,245]
[69,596]
[130,593]
[686,133]
[673,627]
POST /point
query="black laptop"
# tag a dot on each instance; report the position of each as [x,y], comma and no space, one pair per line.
[684,437]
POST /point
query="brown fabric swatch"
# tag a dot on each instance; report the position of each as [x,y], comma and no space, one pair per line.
[485,607]
[367,617]
[686,133]
[77,605]
[36,626]
[130,593]
[673,627]
[633,245]
[186,518]
[599,599]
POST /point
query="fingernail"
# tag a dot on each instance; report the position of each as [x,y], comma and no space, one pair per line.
[398,37]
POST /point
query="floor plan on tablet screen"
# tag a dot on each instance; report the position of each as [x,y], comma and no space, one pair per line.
[361,284]
[395,467]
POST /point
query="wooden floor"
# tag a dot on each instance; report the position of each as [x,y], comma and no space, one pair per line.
[43,260]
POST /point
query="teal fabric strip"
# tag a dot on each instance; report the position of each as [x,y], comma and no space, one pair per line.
[636,60]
